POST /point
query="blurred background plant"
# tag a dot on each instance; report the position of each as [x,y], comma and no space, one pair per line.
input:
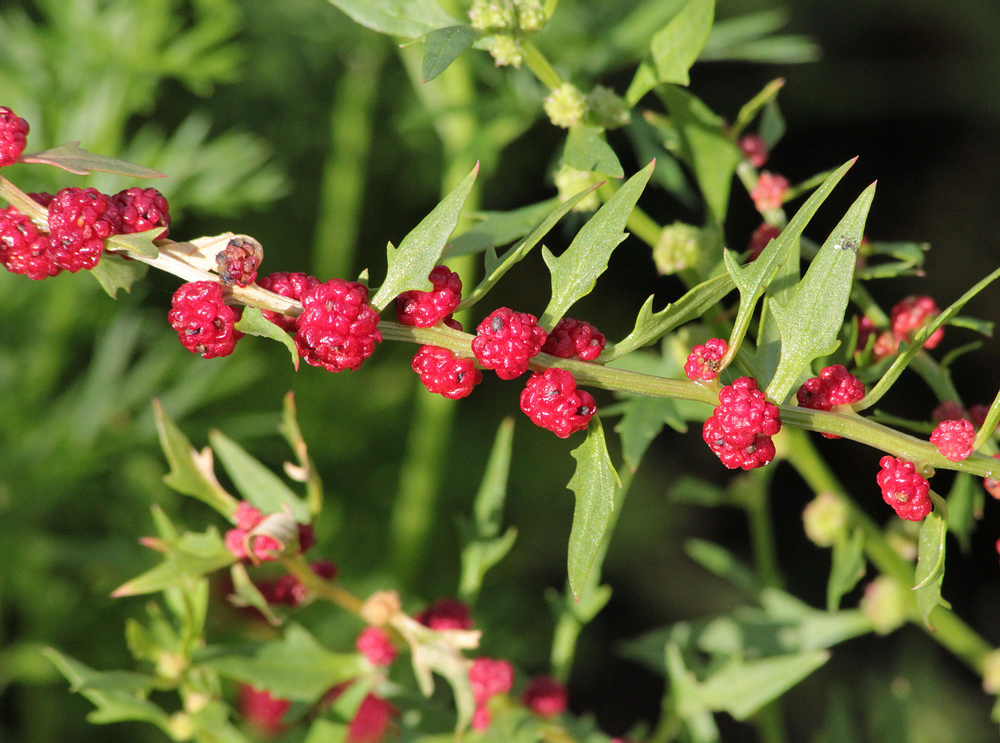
[289,122]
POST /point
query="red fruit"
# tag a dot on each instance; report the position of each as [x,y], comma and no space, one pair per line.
[553,402]
[760,239]
[289,590]
[13,136]
[768,194]
[142,209]
[490,677]
[545,696]
[372,722]
[904,488]
[978,413]
[578,338]
[913,313]
[443,372]
[23,249]
[739,431]
[287,284]
[949,410]
[703,361]
[835,386]
[262,711]
[375,645]
[754,148]
[506,341]
[424,309]
[446,614]
[79,221]
[203,321]
[337,329]
[954,439]
[239,261]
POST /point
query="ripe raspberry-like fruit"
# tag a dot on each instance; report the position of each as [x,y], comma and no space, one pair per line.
[13,136]
[239,261]
[445,614]
[835,386]
[768,194]
[506,341]
[954,439]
[913,313]
[444,373]
[754,148]
[490,677]
[289,590]
[262,711]
[545,696]
[42,197]
[949,410]
[904,488]
[553,402]
[337,329]
[288,284]
[375,645]
[424,309]
[372,722]
[23,249]
[575,338]
[739,431]
[142,209]
[79,220]
[760,239]
[203,321]
[703,361]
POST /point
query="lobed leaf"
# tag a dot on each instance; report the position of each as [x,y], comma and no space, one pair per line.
[594,483]
[191,556]
[499,228]
[411,263]
[253,322]
[114,274]
[575,272]
[410,19]
[929,574]
[674,48]
[442,46]
[586,149]
[74,159]
[641,422]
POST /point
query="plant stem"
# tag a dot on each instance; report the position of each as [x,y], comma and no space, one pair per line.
[540,66]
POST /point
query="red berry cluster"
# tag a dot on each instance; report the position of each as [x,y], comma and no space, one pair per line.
[739,431]
[903,488]
[289,590]
[769,192]
[247,541]
[375,644]
[703,362]
[444,373]
[506,341]
[905,319]
[754,148]
[552,401]
[202,319]
[954,439]
[577,338]
[142,209]
[337,329]
[292,285]
[424,309]
[238,262]
[834,387]
[446,614]
[13,136]
[489,677]
[759,240]
[545,696]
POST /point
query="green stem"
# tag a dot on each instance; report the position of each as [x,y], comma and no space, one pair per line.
[761,529]
[539,66]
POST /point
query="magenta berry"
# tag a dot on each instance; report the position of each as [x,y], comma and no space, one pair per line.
[446,614]
[835,386]
[288,284]
[444,373]
[490,677]
[243,543]
[545,696]
[142,209]
[760,239]
[904,488]
[739,431]
[754,148]
[704,360]
[954,439]
[337,329]
[262,711]
[203,321]
[42,197]
[23,249]
[506,341]
[13,136]
[424,309]
[374,643]
[913,313]
[553,402]
[239,261]
[578,338]
[79,221]
[949,410]
[978,413]
[769,192]
[289,590]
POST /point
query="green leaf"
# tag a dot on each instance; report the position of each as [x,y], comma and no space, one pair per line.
[191,556]
[594,483]
[722,563]
[190,473]
[587,149]
[411,263]
[295,667]
[138,243]
[965,507]
[811,320]
[496,266]
[408,18]
[929,574]
[256,483]
[676,46]
[114,273]
[575,272]
[772,125]
[651,326]
[442,47]
[642,422]
[751,108]
[847,569]
[753,279]
[72,158]
[253,322]
[246,594]
[500,228]
[705,146]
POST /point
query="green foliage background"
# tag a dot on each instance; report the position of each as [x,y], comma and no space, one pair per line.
[288,122]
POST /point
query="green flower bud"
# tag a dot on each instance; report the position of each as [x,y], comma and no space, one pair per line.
[825,519]
[505,50]
[530,15]
[487,15]
[991,673]
[678,248]
[571,181]
[886,604]
[565,106]
[181,726]
[607,109]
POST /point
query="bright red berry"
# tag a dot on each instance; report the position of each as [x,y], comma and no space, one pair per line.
[372,721]
[553,402]
[23,249]
[79,220]
[238,262]
[446,614]
[739,430]
[288,284]
[913,313]
[545,696]
[13,136]
[337,329]
[142,209]
[703,361]
[443,372]
[42,197]
[754,148]
[289,590]
[262,711]
[954,439]
[203,321]
[760,239]
[243,543]
[578,338]
[424,309]
[904,488]
[506,341]
[374,643]
[834,386]
[490,677]
[768,194]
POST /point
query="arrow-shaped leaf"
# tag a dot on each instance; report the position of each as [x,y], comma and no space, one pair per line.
[930,565]
[442,47]
[74,159]
[253,322]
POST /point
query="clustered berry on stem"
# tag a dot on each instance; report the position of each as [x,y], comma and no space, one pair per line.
[903,488]
[769,192]
[23,249]
[739,431]
[551,400]
[238,262]
[79,221]
[754,148]
[833,388]
[489,677]
[142,209]
[545,696]
[288,284]
[446,374]
[704,360]
[337,329]
[506,341]
[954,439]
[288,589]
[446,613]
[577,338]
[205,324]
[13,136]
[375,644]
[425,309]
[759,240]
